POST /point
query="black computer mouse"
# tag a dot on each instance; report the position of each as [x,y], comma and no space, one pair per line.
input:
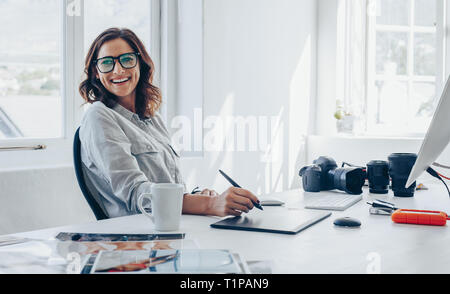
[347,222]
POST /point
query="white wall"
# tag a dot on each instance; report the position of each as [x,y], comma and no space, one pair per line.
[259,63]
[32,199]
[358,151]
[328,76]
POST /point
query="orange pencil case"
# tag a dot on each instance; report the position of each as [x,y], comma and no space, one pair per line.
[420,217]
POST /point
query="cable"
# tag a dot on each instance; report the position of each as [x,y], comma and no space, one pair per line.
[352,165]
[441,165]
[345,163]
[448,191]
[435,174]
[443,176]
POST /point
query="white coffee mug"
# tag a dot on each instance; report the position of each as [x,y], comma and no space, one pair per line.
[166,202]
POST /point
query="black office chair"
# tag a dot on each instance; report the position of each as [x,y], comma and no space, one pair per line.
[98,211]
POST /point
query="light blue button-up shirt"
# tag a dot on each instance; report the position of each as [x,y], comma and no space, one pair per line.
[123,155]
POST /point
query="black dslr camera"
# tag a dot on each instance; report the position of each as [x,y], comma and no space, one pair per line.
[325,175]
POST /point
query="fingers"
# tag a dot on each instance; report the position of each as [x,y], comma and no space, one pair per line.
[245,193]
[239,200]
[229,211]
[233,201]
[238,206]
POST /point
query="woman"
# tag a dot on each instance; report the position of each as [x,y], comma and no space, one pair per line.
[125,145]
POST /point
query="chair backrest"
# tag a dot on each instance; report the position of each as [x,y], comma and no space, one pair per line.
[98,211]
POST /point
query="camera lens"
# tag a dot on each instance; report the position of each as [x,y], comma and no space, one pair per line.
[378,176]
[400,165]
[348,179]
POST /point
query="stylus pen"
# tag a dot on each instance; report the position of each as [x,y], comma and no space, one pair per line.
[237,186]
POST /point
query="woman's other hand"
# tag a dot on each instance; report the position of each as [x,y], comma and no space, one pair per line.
[208,192]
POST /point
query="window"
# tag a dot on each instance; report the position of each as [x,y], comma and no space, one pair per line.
[30,69]
[404,66]
[42,50]
[103,14]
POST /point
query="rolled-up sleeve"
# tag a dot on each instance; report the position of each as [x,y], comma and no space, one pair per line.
[108,148]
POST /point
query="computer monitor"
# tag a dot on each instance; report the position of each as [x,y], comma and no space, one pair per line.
[436,139]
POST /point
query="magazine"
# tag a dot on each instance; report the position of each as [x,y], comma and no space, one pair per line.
[80,237]
[38,257]
[10,240]
[260,266]
[59,257]
[83,248]
[93,248]
[192,261]
[243,265]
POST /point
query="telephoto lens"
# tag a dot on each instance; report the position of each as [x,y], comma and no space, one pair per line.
[348,179]
[378,176]
[400,166]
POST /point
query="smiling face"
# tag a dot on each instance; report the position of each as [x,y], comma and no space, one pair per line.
[121,82]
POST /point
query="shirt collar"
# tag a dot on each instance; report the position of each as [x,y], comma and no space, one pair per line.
[125,112]
[129,114]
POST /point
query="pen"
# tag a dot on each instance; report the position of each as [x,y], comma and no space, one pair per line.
[237,186]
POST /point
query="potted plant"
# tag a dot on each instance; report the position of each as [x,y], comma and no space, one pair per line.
[345,120]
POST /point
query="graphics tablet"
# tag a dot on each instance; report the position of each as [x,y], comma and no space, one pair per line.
[284,222]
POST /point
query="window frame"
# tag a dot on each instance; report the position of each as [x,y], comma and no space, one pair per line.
[371,75]
[58,151]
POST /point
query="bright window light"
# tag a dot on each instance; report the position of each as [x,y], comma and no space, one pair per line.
[402,71]
[30,69]
[100,15]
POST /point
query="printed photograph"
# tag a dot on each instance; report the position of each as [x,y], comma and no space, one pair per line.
[166,261]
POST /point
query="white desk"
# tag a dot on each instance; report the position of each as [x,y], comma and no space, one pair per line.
[322,248]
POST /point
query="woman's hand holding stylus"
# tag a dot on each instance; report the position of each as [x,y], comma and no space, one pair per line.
[233,201]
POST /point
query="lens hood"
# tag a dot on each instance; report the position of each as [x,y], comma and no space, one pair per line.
[348,179]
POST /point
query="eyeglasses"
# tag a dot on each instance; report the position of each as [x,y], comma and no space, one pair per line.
[126,60]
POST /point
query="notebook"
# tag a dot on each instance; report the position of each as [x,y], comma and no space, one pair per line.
[283,222]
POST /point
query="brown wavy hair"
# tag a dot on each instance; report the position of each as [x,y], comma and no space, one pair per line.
[148,97]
